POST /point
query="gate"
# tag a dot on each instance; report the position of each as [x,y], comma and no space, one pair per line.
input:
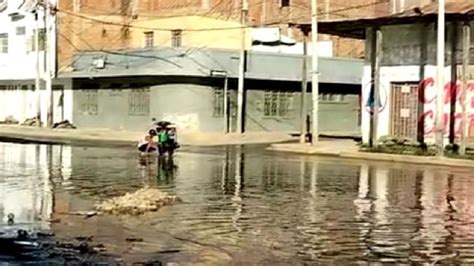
[404,110]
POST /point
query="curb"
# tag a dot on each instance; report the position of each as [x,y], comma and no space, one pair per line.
[61,139]
[382,157]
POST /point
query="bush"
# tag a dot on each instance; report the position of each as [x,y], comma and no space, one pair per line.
[405,146]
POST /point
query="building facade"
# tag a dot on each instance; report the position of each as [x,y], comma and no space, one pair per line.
[407,77]
[112,24]
[19,60]
[134,88]
[408,83]
[118,27]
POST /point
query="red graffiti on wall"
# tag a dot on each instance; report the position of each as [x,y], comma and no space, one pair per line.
[428,96]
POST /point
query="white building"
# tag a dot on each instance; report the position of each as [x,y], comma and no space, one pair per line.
[407,92]
[18,63]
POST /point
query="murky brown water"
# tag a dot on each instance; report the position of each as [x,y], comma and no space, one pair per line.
[247,206]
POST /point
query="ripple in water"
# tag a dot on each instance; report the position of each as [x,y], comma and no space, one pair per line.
[254,206]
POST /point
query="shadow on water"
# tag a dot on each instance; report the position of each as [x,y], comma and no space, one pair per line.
[244,205]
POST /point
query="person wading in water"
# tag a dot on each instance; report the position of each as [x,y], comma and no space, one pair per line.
[148,144]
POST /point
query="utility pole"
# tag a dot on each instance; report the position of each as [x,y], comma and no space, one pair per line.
[327,6]
[466,47]
[440,78]
[240,89]
[47,77]
[314,71]
[304,88]
[226,104]
[376,82]
[37,68]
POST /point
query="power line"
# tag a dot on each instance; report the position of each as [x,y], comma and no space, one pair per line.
[100,21]
[188,30]
[92,49]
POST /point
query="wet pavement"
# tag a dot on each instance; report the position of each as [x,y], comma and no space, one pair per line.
[241,205]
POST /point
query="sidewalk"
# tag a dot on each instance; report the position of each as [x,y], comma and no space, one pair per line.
[130,138]
[349,150]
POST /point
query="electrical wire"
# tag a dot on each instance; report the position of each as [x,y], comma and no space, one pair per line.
[205,29]
[186,30]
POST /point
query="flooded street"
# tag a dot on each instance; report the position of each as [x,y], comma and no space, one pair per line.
[244,206]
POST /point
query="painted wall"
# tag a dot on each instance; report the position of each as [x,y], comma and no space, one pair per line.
[191,106]
[406,48]
[227,37]
[410,74]
[188,105]
[334,116]
[21,102]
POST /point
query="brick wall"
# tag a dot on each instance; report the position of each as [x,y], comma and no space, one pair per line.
[77,34]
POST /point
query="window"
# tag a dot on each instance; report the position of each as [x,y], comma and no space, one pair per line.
[176,38]
[139,102]
[218,102]
[3,43]
[284,3]
[277,104]
[42,40]
[89,104]
[149,39]
[332,98]
[20,30]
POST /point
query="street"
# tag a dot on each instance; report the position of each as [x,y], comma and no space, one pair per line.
[243,205]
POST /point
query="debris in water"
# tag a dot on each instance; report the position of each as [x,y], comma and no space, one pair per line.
[9,120]
[84,238]
[139,202]
[86,214]
[64,124]
[134,239]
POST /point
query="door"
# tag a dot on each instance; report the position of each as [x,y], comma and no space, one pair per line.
[404,111]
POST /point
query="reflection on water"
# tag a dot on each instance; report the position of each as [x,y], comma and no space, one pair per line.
[25,187]
[252,206]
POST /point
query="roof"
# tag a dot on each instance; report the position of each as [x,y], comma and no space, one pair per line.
[199,62]
[356,28]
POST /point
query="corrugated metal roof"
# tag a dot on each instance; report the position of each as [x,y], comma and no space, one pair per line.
[198,62]
[356,28]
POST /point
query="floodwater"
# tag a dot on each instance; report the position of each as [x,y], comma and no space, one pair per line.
[244,205]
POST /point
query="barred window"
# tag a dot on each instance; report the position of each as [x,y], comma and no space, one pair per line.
[218,101]
[176,38]
[277,104]
[139,102]
[89,104]
[332,98]
[31,45]
[149,39]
